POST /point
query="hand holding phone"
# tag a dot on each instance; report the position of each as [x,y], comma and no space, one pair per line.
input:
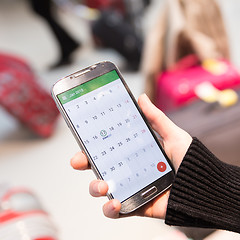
[110,128]
[175,142]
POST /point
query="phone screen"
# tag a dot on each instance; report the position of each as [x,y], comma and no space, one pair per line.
[115,135]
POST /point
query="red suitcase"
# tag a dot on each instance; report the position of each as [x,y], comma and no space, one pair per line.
[24,98]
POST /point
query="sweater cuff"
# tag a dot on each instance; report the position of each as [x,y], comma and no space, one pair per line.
[205,193]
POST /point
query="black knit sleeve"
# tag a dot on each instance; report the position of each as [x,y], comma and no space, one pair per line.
[205,193]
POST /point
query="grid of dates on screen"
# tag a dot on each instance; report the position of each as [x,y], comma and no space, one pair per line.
[117,139]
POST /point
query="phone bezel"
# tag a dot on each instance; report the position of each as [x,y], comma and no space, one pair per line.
[138,199]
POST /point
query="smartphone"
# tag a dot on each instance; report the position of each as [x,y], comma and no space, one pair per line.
[111,129]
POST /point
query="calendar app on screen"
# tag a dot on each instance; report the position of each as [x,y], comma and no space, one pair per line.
[115,135]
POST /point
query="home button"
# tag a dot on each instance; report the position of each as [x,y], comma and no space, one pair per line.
[149,192]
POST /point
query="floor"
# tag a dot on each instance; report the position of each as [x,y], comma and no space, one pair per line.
[42,165]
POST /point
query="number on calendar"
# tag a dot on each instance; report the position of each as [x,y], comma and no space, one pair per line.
[120,144]
[103,153]
[112,169]
[119,124]
[111,148]
[111,128]
[95,137]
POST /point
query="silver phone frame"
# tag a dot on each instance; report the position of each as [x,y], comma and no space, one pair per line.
[64,84]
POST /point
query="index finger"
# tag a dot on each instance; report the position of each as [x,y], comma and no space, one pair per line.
[79,161]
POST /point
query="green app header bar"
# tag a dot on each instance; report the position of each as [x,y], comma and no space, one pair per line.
[88,87]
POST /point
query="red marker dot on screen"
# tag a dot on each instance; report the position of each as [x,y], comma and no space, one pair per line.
[161,167]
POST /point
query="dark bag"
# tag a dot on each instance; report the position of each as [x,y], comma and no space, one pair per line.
[112,31]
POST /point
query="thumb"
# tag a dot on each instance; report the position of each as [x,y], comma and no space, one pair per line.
[158,120]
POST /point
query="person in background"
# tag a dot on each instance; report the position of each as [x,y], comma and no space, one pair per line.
[205,192]
[183,28]
[67,44]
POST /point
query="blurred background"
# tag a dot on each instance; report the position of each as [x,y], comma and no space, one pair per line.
[33,54]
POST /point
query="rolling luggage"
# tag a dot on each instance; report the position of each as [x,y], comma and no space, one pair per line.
[23,97]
